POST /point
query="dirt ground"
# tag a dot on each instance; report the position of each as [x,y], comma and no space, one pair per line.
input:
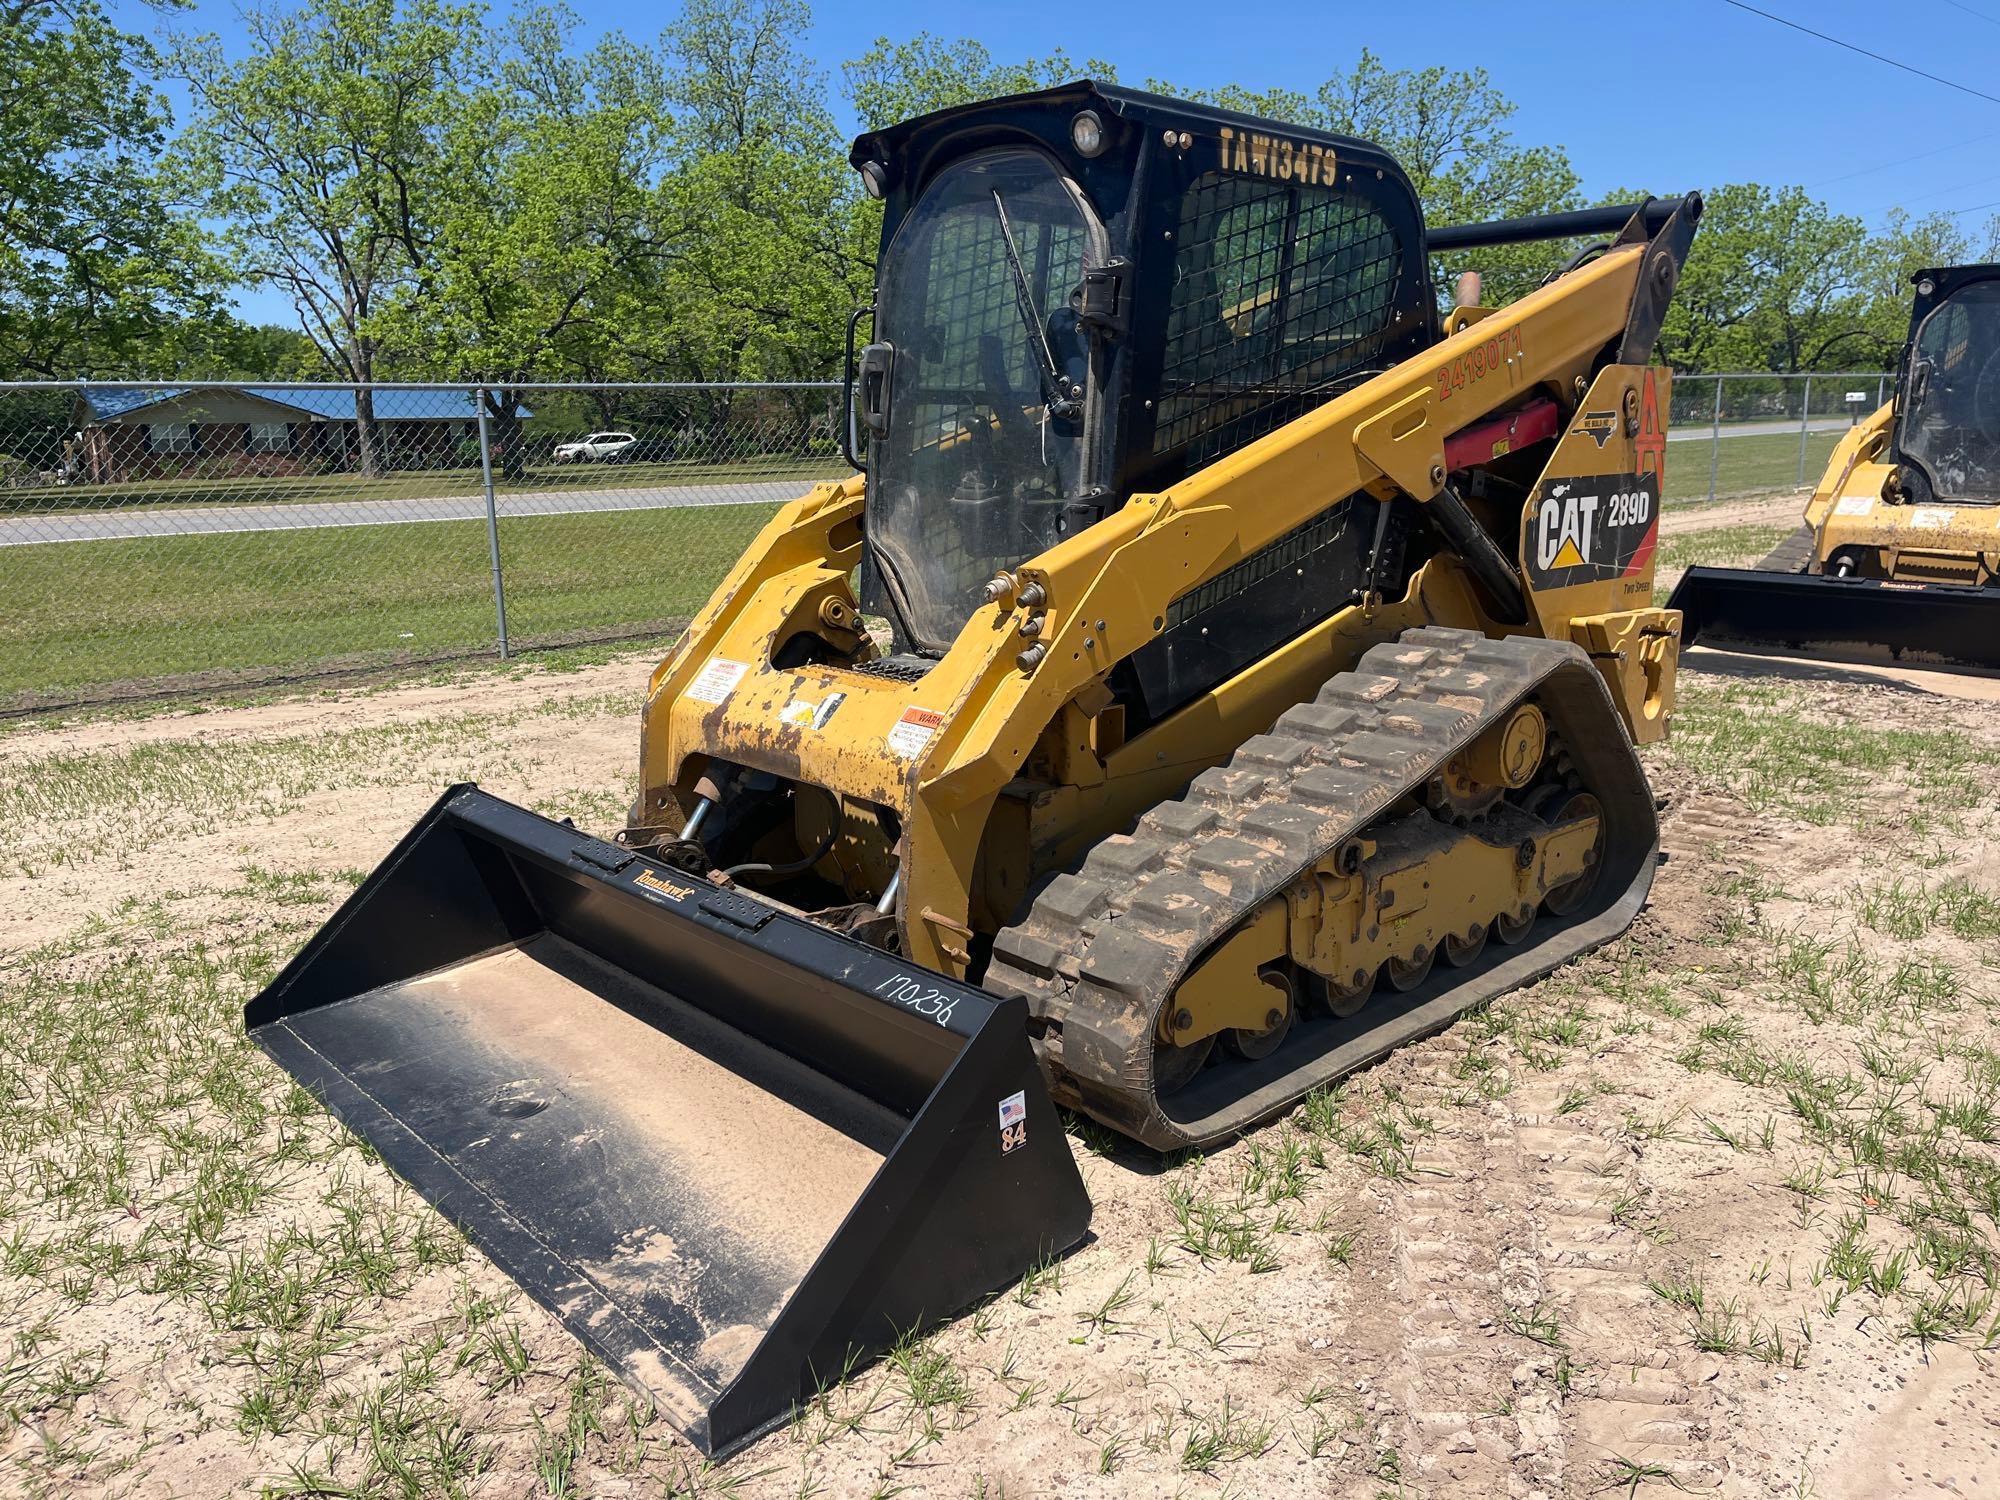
[1714,1210]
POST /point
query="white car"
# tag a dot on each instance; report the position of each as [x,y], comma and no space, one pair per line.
[597,447]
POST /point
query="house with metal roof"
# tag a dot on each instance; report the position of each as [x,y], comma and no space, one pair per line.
[128,433]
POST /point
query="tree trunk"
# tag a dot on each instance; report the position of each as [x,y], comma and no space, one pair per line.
[367,436]
[510,455]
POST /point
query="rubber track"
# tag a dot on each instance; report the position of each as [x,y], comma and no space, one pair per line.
[1791,555]
[1102,949]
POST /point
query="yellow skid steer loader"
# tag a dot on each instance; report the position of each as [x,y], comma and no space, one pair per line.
[1900,549]
[1224,666]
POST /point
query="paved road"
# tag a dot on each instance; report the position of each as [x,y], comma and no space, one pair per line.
[112,525]
[109,525]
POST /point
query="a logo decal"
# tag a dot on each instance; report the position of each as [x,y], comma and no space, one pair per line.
[1652,444]
[1598,425]
[1587,528]
[803,713]
[672,890]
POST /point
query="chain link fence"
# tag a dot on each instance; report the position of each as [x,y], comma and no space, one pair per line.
[164,539]
[1736,435]
[160,538]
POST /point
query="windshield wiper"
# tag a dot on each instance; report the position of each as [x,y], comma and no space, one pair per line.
[1059,397]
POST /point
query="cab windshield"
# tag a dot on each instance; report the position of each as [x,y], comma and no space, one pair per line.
[989,388]
[1951,417]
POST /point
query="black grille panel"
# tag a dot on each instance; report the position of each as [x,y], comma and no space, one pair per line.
[1217,630]
[895,668]
[1295,550]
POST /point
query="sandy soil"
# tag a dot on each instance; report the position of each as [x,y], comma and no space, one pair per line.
[1454,1278]
[1762,510]
[184,801]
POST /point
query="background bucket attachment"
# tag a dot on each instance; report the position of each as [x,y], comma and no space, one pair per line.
[731,1150]
[1839,619]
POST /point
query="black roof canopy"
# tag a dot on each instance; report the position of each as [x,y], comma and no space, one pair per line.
[913,149]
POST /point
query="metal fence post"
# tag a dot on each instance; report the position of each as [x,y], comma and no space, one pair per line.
[1805,424]
[492,518]
[1881,385]
[1715,440]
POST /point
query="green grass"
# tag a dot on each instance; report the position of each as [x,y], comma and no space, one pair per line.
[1720,546]
[91,615]
[1774,752]
[1768,462]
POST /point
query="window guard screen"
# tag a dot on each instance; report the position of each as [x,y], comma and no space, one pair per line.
[1951,417]
[1280,290]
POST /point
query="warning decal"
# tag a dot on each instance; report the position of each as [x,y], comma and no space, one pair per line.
[718,680]
[914,730]
[1590,528]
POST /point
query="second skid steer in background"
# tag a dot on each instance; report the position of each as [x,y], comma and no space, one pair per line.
[1226,666]
[1900,550]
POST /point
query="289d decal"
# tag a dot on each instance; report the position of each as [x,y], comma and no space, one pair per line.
[1591,527]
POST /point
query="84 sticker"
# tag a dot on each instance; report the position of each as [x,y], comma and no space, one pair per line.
[1013,1122]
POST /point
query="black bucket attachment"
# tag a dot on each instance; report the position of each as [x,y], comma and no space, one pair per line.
[1839,619]
[731,1150]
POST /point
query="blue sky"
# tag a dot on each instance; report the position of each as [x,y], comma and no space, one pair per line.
[1662,96]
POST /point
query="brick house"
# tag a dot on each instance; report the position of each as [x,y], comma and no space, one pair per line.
[126,433]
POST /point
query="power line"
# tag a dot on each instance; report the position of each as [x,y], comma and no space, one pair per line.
[1948,192]
[1904,161]
[1971,12]
[1963,88]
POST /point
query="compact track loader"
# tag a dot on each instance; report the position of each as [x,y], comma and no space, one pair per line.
[1900,550]
[1224,667]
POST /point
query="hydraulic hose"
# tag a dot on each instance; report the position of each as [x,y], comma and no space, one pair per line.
[801,865]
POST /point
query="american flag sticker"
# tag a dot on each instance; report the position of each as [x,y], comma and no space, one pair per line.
[1013,1122]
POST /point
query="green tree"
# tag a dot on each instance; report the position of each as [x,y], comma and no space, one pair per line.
[98,270]
[1904,246]
[765,287]
[541,211]
[1775,281]
[895,81]
[316,147]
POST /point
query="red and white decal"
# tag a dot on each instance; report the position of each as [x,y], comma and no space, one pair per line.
[717,680]
[915,729]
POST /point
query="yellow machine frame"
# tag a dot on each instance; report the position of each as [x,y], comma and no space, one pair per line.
[945,754]
[1940,543]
